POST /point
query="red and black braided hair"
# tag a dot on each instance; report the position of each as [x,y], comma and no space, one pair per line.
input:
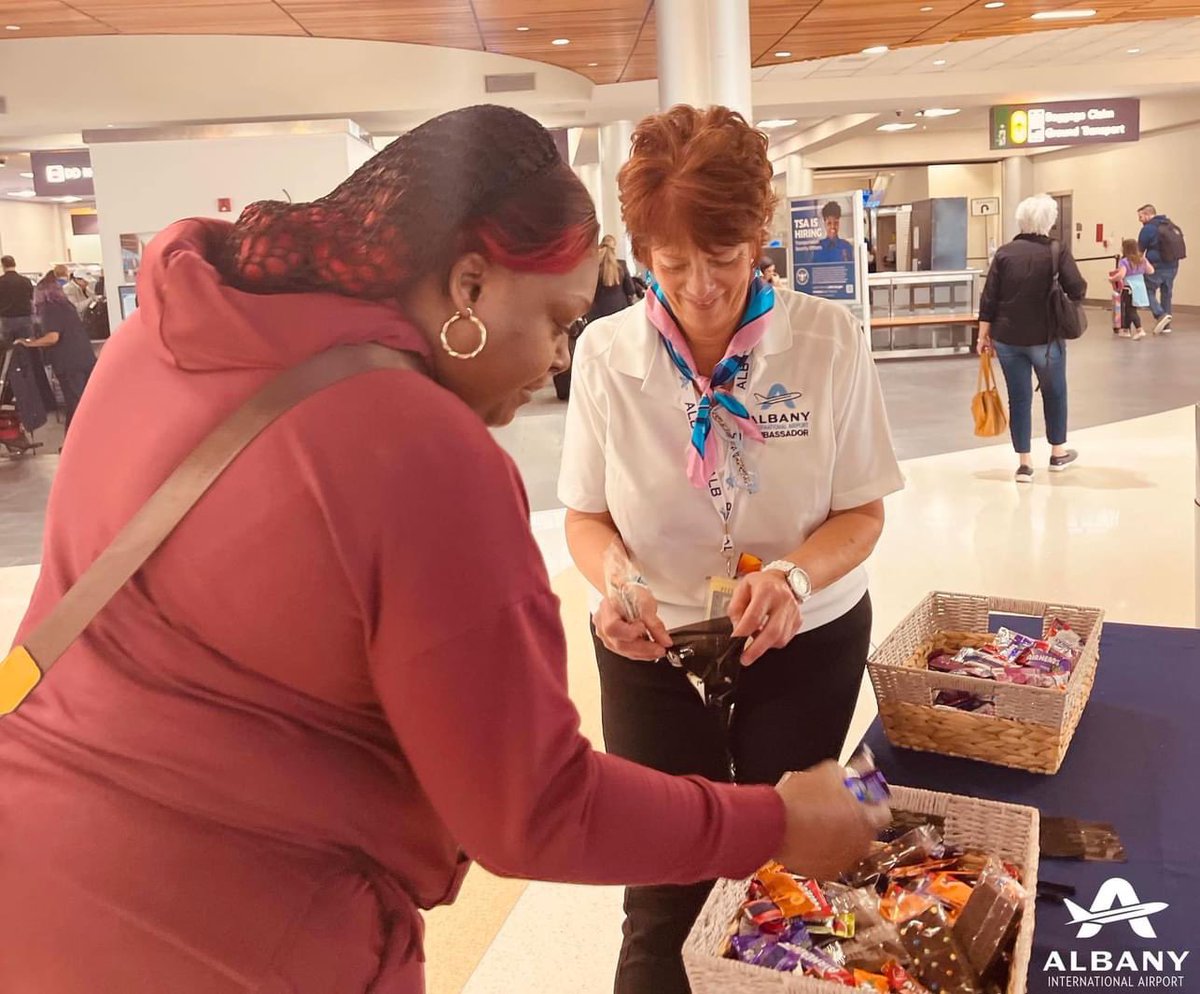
[487,179]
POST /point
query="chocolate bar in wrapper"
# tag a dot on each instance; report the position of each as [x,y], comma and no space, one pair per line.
[939,958]
[766,916]
[916,846]
[865,981]
[1009,645]
[901,982]
[990,918]
[816,964]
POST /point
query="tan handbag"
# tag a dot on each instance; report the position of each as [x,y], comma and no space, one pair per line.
[986,406]
[25,665]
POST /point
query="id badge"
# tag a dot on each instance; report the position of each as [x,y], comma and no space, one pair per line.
[720,595]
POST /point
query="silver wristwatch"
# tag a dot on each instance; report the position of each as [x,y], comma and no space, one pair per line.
[796,577]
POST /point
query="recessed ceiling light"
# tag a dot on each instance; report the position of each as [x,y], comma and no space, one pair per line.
[783,55]
[522,27]
[592,65]
[26,175]
[896,126]
[1133,51]
[776,122]
[875,50]
[68,200]
[939,62]
[561,41]
[23,194]
[12,27]
[1064,15]
[994,5]
[940,112]
[926,10]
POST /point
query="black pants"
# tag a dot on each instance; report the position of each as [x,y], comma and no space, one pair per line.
[1130,318]
[792,710]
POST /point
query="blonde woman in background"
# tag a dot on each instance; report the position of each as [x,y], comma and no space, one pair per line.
[615,290]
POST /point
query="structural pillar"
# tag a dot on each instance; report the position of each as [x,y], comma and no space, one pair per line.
[799,176]
[704,54]
[614,152]
[1016,183]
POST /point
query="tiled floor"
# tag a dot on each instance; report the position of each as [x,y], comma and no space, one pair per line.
[1117,531]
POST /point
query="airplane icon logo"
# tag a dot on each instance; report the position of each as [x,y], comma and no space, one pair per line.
[778,394]
[1116,901]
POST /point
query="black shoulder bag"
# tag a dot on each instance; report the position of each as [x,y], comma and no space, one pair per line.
[1068,319]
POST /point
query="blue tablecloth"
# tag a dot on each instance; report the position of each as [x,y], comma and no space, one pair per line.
[1135,762]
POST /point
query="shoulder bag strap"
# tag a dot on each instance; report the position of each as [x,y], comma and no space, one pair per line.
[167,506]
[1055,255]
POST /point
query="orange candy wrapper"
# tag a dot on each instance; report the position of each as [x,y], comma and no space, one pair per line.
[796,897]
[950,891]
[871,981]
[899,905]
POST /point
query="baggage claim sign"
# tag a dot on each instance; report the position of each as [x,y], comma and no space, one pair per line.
[1072,122]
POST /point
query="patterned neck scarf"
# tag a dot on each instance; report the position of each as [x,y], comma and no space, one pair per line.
[704,455]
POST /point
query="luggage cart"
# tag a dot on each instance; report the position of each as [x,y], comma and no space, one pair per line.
[14,440]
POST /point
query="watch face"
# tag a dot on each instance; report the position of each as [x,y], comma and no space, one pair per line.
[799,581]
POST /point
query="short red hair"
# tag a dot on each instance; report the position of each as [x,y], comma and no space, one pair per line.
[699,176]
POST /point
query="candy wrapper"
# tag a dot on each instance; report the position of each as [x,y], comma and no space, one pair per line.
[961,700]
[900,982]
[817,964]
[865,981]
[1070,838]
[939,958]
[1010,646]
[796,897]
[914,847]
[900,904]
[990,917]
[765,916]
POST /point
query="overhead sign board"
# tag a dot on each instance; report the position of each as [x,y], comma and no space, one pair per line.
[1071,122]
[59,174]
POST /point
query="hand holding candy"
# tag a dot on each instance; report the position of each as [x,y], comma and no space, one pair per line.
[827,831]
[764,607]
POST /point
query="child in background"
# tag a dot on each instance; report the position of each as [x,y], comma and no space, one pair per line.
[1131,273]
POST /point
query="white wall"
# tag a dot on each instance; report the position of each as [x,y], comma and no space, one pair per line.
[79,248]
[1109,185]
[142,187]
[32,234]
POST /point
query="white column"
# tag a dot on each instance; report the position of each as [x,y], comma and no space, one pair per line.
[799,176]
[590,175]
[1016,183]
[614,152]
[729,49]
[704,54]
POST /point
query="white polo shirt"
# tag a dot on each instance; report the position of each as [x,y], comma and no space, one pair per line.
[813,391]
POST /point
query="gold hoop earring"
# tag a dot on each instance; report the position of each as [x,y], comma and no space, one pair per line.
[460,316]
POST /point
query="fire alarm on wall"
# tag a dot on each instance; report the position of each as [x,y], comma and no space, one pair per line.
[224,205]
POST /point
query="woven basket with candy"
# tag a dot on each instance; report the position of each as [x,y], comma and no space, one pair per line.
[945,686]
[915,916]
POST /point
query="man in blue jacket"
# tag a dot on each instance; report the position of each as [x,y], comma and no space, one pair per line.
[1162,281]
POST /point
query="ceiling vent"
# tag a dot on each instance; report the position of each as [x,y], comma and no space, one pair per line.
[512,82]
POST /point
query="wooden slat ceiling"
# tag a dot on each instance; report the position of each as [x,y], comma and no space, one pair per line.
[611,40]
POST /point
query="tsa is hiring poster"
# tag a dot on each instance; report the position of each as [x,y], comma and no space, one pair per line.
[828,248]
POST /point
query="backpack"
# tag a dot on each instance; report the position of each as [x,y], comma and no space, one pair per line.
[1171,246]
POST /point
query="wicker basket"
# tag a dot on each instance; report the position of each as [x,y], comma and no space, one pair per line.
[1006,830]
[1031,727]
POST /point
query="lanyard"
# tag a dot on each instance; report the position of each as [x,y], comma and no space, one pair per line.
[734,474]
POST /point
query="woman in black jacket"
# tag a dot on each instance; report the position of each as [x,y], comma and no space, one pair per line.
[1014,322]
[62,335]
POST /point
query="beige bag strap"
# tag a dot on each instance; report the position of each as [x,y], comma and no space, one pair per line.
[987,377]
[157,518]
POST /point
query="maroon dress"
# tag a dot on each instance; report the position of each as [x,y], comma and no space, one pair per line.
[340,677]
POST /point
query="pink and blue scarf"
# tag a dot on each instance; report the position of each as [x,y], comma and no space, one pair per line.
[704,455]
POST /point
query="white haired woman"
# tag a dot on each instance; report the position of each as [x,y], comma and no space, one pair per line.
[1014,322]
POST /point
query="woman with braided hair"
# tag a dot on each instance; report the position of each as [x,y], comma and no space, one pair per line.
[342,677]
